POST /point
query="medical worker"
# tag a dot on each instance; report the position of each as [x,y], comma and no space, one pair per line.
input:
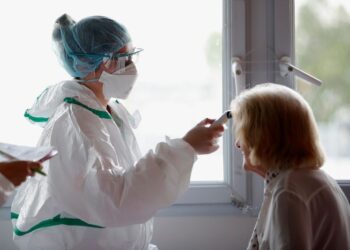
[12,174]
[99,193]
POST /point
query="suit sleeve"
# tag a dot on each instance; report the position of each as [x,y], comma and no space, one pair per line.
[89,182]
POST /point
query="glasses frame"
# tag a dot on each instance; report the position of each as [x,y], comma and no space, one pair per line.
[110,56]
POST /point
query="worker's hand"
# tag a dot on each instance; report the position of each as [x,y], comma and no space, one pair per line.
[17,171]
[203,138]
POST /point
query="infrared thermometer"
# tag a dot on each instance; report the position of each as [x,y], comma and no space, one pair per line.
[223,118]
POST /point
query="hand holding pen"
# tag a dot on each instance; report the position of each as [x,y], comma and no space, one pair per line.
[17,171]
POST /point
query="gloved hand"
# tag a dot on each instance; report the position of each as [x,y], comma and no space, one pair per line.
[203,138]
[17,171]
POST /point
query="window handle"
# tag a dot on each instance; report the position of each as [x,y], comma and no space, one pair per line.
[238,74]
[286,68]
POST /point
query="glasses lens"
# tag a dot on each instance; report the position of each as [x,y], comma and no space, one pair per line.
[120,61]
[131,54]
[126,59]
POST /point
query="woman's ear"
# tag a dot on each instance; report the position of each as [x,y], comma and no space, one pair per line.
[104,66]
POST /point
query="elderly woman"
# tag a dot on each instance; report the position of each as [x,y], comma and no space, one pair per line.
[99,193]
[303,207]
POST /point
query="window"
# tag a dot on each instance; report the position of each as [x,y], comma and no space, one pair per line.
[180,79]
[186,72]
[322,49]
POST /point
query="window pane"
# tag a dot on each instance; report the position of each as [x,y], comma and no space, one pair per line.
[181,82]
[323,49]
[180,67]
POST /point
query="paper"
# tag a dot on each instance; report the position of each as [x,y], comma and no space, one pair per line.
[10,152]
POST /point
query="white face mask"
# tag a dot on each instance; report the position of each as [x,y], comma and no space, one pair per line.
[120,83]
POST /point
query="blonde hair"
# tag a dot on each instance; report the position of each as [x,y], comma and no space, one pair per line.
[278,127]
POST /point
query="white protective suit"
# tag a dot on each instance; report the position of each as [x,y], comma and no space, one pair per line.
[99,193]
[6,188]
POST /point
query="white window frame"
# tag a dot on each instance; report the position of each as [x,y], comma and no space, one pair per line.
[236,15]
[266,31]
[249,34]
[220,193]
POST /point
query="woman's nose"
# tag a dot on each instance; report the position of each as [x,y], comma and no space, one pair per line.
[238,145]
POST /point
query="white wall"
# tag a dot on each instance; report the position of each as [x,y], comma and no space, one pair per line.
[202,232]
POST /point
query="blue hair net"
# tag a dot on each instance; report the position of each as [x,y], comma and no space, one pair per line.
[82,46]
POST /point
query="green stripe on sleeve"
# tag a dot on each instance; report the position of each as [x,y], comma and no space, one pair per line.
[55,221]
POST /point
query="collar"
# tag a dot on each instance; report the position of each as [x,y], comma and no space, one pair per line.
[271,178]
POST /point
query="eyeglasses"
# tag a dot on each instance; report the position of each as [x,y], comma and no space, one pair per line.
[122,60]
[130,55]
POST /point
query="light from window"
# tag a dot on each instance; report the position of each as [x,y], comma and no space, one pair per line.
[322,49]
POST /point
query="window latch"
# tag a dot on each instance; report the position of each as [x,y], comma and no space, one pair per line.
[238,74]
[286,68]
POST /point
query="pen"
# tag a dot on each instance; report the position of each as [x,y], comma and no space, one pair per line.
[39,171]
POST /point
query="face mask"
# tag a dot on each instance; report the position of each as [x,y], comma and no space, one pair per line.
[120,83]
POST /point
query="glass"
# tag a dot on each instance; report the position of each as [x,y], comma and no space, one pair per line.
[322,49]
[180,78]
[122,60]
